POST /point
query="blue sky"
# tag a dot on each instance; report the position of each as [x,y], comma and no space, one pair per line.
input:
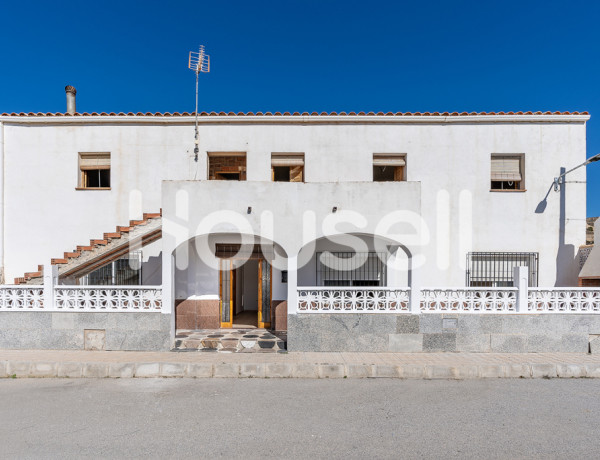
[307,56]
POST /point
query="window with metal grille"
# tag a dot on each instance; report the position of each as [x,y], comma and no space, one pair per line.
[351,269]
[495,269]
[121,272]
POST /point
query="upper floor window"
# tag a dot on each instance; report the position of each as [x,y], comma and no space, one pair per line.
[227,166]
[389,167]
[94,171]
[287,167]
[507,172]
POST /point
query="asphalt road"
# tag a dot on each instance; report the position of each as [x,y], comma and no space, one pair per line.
[240,418]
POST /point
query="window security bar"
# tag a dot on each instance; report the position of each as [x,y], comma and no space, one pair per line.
[495,269]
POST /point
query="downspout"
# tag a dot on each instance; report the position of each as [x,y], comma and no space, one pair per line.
[2,281]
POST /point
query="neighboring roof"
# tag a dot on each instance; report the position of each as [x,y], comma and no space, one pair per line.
[279,114]
[591,268]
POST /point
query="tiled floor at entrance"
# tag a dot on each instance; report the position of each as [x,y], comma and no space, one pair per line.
[231,340]
[246,320]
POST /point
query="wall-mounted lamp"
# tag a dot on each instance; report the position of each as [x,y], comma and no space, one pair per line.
[334,209]
[249,210]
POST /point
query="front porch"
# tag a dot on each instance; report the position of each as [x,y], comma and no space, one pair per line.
[249,340]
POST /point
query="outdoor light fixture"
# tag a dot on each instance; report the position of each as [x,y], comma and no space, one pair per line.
[558,181]
[199,62]
[334,209]
[249,211]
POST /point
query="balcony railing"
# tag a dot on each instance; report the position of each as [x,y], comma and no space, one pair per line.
[353,300]
[82,298]
[108,298]
[21,298]
[469,300]
[564,300]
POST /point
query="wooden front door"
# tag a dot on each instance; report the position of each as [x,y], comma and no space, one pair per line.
[227,293]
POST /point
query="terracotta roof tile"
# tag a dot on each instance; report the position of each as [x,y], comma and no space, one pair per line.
[286,114]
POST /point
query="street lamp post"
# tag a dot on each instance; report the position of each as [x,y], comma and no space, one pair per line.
[558,181]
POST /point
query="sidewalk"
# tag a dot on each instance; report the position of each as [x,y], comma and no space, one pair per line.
[127,364]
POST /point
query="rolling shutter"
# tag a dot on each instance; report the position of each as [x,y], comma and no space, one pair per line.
[388,160]
[287,160]
[94,161]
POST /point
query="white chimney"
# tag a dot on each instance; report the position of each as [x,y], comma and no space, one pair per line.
[71,92]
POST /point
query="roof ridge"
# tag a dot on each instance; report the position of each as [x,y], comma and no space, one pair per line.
[286,114]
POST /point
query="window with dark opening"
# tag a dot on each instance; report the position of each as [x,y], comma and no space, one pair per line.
[94,171]
[507,172]
[226,166]
[288,167]
[389,168]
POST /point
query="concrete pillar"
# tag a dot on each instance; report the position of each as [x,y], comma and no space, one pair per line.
[415,292]
[292,285]
[50,280]
[521,282]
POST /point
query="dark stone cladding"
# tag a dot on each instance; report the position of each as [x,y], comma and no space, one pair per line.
[483,333]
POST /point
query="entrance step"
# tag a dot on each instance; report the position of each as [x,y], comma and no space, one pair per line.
[231,341]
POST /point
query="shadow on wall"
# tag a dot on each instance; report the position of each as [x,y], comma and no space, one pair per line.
[152,271]
[566,260]
[194,277]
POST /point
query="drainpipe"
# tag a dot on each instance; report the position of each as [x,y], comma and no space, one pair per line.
[71,92]
[1,203]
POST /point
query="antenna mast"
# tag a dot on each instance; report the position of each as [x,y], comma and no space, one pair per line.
[199,62]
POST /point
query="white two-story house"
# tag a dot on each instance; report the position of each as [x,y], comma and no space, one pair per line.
[272,208]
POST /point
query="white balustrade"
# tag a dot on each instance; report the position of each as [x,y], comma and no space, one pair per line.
[108,298]
[469,300]
[317,299]
[353,300]
[21,298]
[564,300]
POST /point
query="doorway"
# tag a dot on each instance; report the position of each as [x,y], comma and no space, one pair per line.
[245,293]
[246,302]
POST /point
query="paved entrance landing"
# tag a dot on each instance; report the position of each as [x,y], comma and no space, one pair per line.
[231,341]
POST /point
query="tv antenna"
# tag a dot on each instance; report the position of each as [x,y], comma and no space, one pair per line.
[200,63]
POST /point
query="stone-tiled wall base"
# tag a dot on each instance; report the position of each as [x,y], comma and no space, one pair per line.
[279,315]
[197,314]
[442,332]
[65,330]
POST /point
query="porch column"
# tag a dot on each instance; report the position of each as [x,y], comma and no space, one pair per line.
[168,283]
[50,280]
[292,285]
[415,291]
[521,281]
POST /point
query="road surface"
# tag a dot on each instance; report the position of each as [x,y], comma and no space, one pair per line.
[289,418]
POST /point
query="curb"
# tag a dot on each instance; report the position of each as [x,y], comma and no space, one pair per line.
[37,369]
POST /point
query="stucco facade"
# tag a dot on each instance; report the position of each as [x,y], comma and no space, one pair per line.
[427,223]
[448,160]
